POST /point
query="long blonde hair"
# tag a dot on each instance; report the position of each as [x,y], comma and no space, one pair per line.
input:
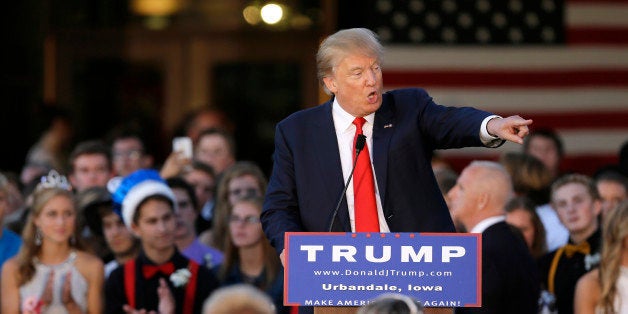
[30,249]
[615,231]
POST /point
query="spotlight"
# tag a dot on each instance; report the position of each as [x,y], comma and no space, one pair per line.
[252,15]
[272,13]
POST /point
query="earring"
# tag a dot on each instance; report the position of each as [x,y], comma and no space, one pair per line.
[37,237]
[72,240]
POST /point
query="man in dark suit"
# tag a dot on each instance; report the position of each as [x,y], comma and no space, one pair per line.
[314,147]
[509,273]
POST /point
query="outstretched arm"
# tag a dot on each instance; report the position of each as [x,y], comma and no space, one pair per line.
[513,128]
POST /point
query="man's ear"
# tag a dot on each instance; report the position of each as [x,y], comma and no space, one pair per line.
[72,179]
[135,230]
[147,161]
[330,83]
[597,207]
[483,200]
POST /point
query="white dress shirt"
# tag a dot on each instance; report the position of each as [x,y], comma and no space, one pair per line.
[484,224]
[345,131]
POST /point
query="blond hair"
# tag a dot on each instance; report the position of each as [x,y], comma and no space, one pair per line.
[239,298]
[578,179]
[615,230]
[30,249]
[347,41]
[527,172]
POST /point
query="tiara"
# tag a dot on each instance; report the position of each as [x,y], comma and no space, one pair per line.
[54,180]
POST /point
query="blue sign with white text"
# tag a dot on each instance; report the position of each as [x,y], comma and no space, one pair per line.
[350,269]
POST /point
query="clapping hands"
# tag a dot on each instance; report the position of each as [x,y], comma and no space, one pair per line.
[66,293]
[166,302]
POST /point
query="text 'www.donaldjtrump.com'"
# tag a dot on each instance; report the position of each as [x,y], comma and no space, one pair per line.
[384,273]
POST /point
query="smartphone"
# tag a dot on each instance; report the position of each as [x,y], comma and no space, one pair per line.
[183,145]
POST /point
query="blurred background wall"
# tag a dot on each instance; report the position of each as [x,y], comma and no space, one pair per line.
[562,63]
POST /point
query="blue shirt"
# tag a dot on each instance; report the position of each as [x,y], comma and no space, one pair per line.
[10,244]
[203,254]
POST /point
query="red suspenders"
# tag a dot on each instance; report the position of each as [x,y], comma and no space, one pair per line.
[190,288]
[129,282]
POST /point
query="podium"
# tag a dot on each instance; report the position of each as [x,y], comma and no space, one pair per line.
[339,272]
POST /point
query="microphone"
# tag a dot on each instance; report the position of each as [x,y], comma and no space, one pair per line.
[359,146]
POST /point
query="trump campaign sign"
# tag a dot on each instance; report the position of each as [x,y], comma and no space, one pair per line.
[350,269]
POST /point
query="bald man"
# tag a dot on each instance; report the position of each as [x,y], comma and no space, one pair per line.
[509,274]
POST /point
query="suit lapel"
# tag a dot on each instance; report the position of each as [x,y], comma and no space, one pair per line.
[383,128]
[325,143]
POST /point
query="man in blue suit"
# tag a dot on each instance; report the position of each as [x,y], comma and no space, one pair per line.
[314,147]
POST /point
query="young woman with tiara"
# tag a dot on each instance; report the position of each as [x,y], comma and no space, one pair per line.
[605,290]
[51,274]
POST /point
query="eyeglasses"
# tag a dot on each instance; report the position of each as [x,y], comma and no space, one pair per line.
[245,220]
[206,188]
[131,154]
[184,204]
[244,192]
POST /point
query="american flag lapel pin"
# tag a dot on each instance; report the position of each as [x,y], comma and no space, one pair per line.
[389,125]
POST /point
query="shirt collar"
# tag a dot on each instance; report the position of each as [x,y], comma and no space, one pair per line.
[175,258]
[484,224]
[343,120]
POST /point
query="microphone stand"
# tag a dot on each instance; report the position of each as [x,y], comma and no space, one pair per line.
[359,145]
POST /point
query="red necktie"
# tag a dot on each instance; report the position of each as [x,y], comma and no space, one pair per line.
[364,207]
[150,270]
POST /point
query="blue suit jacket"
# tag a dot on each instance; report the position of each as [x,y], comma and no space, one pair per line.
[306,181]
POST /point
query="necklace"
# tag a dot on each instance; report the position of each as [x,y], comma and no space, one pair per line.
[69,259]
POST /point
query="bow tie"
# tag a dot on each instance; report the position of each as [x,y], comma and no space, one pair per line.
[583,248]
[150,270]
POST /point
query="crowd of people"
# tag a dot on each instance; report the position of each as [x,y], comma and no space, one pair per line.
[541,205]
[117,231]
[146,236]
